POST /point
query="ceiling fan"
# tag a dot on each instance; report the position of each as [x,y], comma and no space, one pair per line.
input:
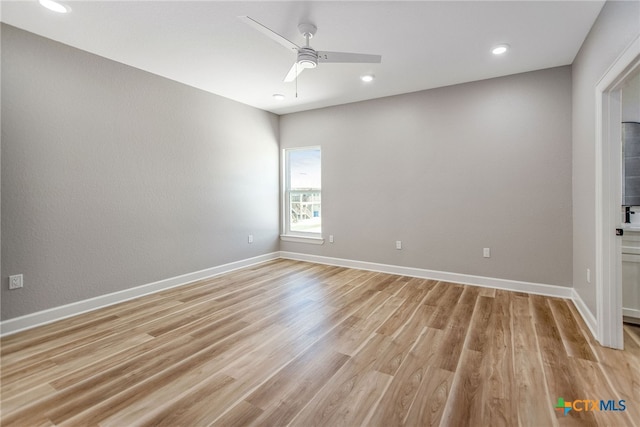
[307,56]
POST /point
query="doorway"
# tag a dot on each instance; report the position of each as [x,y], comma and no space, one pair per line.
[609,195]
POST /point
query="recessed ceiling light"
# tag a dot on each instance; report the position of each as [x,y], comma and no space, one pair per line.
[278,96]
[367,78]
[55,6]
[500,49]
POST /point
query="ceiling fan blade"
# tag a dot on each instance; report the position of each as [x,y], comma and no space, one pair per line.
[293,72]
[269,33]
[348,57]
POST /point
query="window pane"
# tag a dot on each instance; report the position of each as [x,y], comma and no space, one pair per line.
[304,167]
[305,211]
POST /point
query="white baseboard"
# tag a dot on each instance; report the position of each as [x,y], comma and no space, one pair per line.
[631,312]
[39,318]
[587,316]
[11,326]
[465,279]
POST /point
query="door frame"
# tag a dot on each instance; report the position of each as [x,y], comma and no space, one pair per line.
[609,196]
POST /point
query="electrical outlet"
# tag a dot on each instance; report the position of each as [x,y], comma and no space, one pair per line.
[330,238]
[398,244]
[250,238]
[15,282]
[486,252]
[588,275]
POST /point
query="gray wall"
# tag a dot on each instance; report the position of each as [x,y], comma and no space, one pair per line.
[113,177]
[449,171]
[617,25]
[631,100]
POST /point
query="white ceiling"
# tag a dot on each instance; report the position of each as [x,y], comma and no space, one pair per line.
[424,44]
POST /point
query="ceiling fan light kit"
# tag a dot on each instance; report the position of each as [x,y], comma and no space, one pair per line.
[307,57]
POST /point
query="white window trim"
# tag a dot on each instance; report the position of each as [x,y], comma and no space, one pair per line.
[302,239]
[288,235]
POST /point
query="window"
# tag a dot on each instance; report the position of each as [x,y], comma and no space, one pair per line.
[302,192]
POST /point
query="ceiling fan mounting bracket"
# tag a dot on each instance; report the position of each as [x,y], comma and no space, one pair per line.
[307,30]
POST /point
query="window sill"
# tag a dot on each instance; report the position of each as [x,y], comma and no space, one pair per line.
[302,239]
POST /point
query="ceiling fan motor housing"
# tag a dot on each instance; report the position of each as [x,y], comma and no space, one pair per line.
[307,57]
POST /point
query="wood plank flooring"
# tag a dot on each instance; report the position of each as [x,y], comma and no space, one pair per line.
[294,343]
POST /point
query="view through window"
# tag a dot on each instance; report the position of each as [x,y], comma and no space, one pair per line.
[303,190]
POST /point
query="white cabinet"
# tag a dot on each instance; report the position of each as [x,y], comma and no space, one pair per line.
[631,274]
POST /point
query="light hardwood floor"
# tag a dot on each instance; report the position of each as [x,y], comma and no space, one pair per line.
[294,343]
